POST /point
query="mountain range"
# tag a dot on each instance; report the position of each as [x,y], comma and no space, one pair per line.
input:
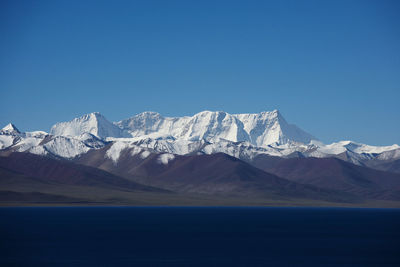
[208,158]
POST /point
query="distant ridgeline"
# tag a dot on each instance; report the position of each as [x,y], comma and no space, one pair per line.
[210,153]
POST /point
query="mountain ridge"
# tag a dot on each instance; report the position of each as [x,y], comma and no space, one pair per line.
[207,158]
[244,136]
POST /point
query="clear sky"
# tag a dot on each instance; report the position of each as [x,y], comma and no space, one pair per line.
[330,67]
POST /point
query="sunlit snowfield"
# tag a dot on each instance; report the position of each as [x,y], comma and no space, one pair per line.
[159,236]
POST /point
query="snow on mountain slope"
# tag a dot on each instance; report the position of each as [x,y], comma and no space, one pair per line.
[165,158]
[267,128]
[10,129]
[342,146]
[260,129]
[91,140]
[41,143]
[362,148]
[115,150]
[212,126]
[36,134]
[69,147]
[6,141]
[241,150]
[389,155]
[181,147]
[240,135]
[11,137]
[26,143]
[149,122]
[93,123]
[65,147]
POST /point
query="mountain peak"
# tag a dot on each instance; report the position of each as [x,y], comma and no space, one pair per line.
[10,128]
[93,115]
[270,127]
[93,123]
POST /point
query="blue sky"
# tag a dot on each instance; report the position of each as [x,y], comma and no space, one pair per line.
[331,67]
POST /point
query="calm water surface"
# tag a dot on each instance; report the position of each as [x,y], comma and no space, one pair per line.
[160,236]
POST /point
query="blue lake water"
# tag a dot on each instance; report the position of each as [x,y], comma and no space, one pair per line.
[165,236]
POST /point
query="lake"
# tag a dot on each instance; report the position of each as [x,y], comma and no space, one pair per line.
[201,236]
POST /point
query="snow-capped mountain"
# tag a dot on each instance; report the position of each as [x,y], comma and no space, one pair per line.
[41,143]
[244,136]
[93,123]
[205,125]
[67,146]
[10,136]
[10,129]
[260,129]
[267,128]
